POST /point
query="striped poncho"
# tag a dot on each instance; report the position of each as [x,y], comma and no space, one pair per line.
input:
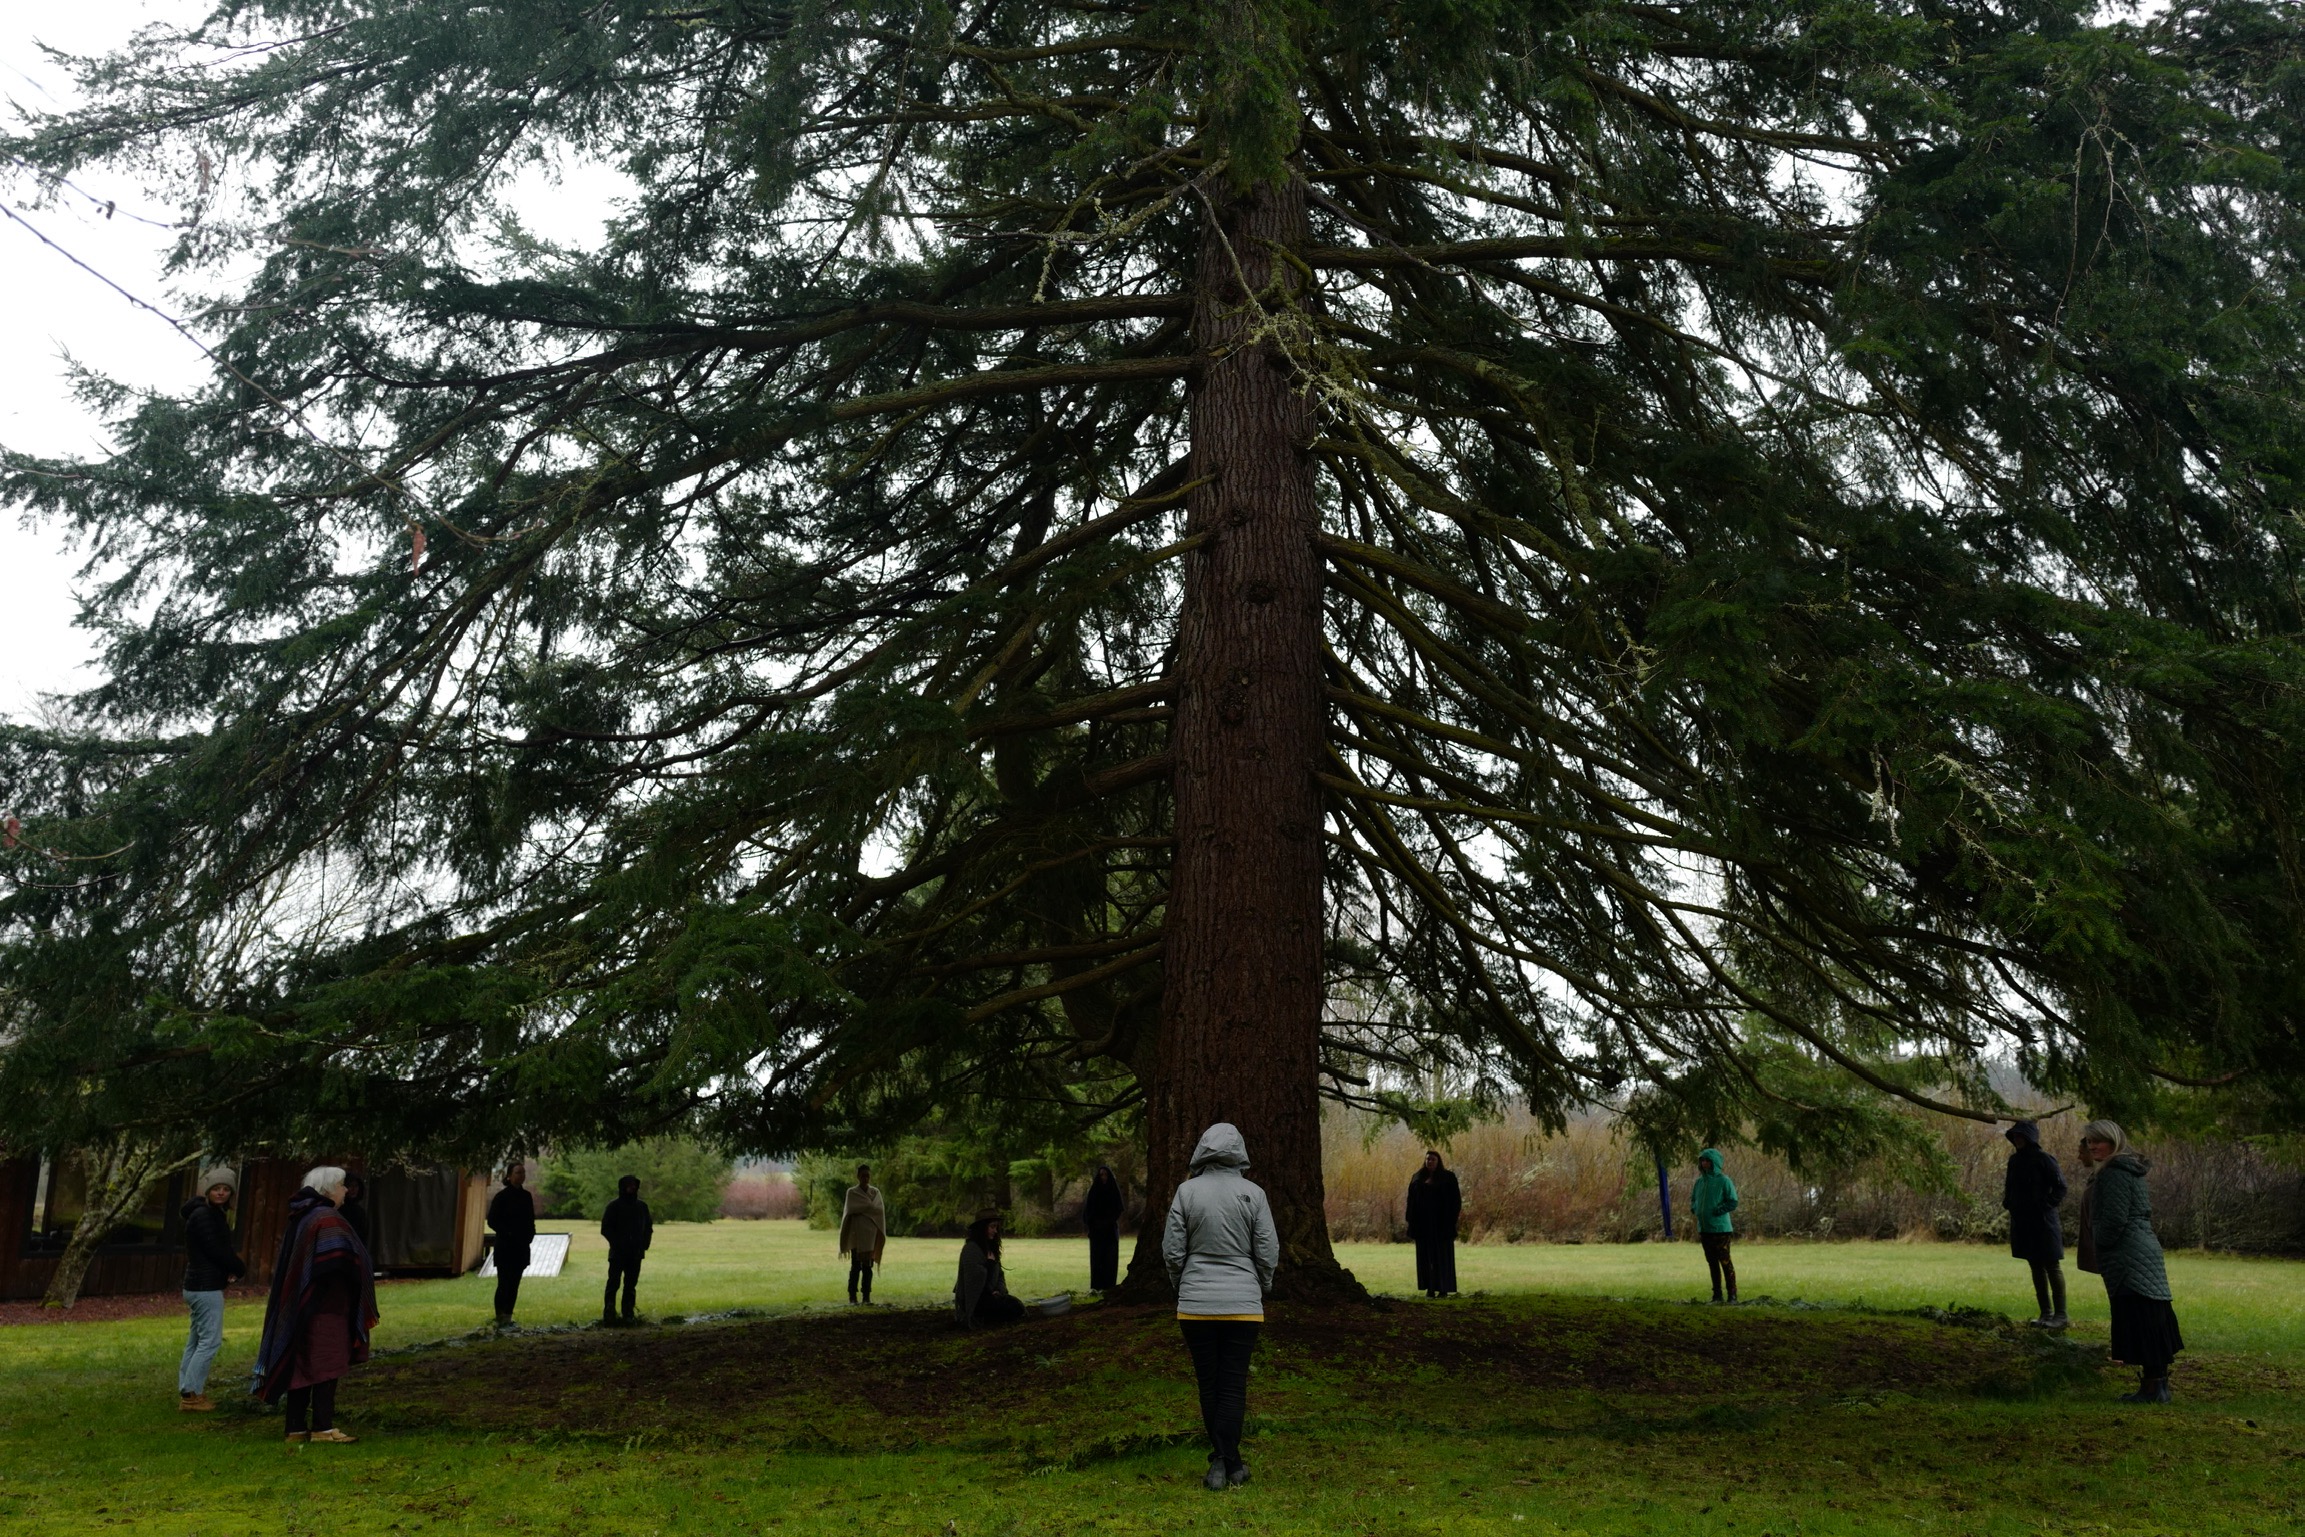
[321,1260]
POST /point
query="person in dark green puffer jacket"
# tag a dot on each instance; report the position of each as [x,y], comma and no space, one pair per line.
[1711,1202]
[2129,1258]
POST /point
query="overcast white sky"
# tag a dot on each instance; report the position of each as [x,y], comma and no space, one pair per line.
[48,309]
[51,309]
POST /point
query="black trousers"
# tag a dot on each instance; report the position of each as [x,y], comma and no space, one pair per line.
[1103,1259]
[859,1274]
[1220,1350]
[1719,1261]
[2048,1285]
[625,1268]
[318,1402]
[508,1285]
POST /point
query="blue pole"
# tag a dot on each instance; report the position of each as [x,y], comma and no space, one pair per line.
[1665,1199]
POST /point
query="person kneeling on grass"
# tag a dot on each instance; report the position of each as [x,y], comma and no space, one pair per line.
[1713,1199]
[980,1295]
[1220,1249]
[627,1226]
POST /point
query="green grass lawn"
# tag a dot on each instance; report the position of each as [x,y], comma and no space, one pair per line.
[1580,1394]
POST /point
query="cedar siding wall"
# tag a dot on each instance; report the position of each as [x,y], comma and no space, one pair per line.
[266,1184]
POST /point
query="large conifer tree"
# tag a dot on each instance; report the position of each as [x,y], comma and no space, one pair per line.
[1101,554]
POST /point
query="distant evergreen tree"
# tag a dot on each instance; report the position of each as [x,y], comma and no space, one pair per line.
[682,1181]
[1134,555]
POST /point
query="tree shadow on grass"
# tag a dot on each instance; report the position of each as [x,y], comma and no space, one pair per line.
[1113,1381]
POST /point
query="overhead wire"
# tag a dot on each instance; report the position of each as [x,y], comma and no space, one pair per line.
[182,328]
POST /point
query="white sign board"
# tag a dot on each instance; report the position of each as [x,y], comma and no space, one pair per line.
[545,1257]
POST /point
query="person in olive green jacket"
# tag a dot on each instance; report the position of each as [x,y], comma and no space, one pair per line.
[1714,1198]
[2128,1256]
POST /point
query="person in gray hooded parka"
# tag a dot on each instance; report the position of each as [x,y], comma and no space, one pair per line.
[1221,1249]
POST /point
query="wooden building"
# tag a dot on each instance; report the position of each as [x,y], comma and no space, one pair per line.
[424,1221]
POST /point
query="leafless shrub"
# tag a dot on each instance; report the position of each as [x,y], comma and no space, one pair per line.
[1586,1185]
[765,1194]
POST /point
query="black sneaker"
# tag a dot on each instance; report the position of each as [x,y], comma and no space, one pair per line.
[1215,1482]
[1238,1476]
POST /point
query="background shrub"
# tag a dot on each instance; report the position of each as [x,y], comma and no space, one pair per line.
[1588,1185]
[936,1182]
[681,1181]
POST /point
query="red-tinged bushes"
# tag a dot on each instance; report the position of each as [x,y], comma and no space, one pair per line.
[762,1194]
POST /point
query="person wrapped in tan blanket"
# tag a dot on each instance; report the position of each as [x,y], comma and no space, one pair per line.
[863,1232]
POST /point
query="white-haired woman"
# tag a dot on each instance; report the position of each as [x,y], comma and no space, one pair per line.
[2125,1252]
[322,1307]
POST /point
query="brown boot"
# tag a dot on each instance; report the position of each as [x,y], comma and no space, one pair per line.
[193,1403]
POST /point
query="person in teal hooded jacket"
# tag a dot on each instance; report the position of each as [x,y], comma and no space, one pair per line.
[1714,1198]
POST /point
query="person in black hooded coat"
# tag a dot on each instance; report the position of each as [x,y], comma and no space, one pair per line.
[1434,1205]
[1100,1219]
[512,1217]
[626,1224]
[355,1212]
[2031,1194]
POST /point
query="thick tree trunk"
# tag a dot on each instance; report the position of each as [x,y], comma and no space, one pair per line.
[1241,989]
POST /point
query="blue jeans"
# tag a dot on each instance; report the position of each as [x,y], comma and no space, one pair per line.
[207,1334]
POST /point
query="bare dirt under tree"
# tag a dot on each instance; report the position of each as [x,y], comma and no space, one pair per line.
[1118,1377]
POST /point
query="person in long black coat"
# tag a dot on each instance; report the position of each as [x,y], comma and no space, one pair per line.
[629,1228]
[512,1217]
[354,1211]
[1100,1219]
[1434,1205]
[2031,1194]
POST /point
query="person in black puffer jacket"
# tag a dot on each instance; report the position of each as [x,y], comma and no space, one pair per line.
[626,1225]
[210,1265]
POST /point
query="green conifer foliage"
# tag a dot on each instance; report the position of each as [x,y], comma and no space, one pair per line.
[1804,503]
[681,1181]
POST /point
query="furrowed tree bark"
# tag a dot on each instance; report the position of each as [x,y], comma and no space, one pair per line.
[1241,993]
